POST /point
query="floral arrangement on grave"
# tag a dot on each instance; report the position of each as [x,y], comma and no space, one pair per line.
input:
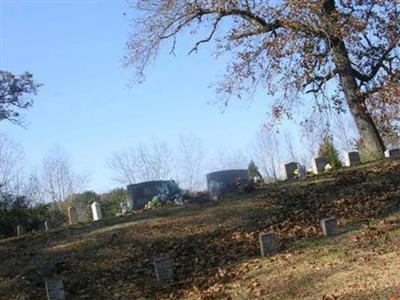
[169,192]
[244,187]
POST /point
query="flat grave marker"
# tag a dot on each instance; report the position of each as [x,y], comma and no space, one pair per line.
[329,227]
[54,289]
[163,268]
[268,244]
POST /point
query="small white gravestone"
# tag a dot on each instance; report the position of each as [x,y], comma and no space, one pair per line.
[96,211]
[46,225]
[163,268]
[54,289]
[319,165]
[72,215]
[393,153]
[329,226]
[289,170]
[216,190]
[353,159]
[268,244]
[20,230]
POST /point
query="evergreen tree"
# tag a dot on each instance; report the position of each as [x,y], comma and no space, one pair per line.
[253,170]
[327,149]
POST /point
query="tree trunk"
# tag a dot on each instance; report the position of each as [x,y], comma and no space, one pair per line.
[368,131]
[370,137]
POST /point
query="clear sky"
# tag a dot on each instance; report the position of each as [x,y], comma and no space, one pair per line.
[75,48]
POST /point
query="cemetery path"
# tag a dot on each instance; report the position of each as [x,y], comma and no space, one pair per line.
[214,246]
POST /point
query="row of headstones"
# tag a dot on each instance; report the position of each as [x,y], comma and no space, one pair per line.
[163,265]
[268,246]
[72,217]
[320,163]
[73,214]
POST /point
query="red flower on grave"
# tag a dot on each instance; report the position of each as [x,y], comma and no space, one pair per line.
[237,181]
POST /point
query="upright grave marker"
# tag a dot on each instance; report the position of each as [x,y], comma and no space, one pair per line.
[20,230]
[319,165]
[289,170]
[72,215]
[353,159]
[163,268]
[393,153]
[329,226]
[46,225]
[268,244]
[96,211]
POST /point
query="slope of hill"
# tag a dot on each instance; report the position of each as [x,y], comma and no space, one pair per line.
[215,249]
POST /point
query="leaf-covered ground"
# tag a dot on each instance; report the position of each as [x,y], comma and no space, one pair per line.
[215,249]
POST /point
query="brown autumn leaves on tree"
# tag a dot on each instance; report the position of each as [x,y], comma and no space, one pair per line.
[343,49]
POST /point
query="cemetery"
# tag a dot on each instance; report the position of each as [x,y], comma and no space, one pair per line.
[218,244]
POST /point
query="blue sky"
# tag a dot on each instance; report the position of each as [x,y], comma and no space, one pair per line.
[75,48]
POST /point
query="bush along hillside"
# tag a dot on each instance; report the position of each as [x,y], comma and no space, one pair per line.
[214,249]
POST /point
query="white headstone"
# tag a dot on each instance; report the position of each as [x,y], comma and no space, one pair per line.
[72,215]
[20,230]
[54,289]
[96,211]
[46,225]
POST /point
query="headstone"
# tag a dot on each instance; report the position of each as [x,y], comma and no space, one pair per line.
[96,211]
[163,268]
[72,215]
[329,226]
[289,170]
[393,153]
[54,289]
[319,165]
[46,225]
[215,190]
[353,159]
[268,244]
[20,230]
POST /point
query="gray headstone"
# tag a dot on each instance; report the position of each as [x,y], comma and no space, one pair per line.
[353,159]
[96,211]
[268,244]
[319,165]
[20,230]
[393,153]
[289,170]
[72,215]
[54,289]
[329,226]
[163,268]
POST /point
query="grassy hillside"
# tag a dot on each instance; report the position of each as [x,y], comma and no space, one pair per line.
[215,248]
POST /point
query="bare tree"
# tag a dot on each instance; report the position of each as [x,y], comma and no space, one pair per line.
[12,159]
[230,159]
[58,179]
[142,163]
[289,47]
[268,152]
[190,162]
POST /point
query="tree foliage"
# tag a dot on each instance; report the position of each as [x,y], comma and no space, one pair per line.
[290,48]
[327,149]
[14,94]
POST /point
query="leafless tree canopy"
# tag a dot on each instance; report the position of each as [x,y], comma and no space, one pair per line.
[142,164]
[289,47]
[58,179]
